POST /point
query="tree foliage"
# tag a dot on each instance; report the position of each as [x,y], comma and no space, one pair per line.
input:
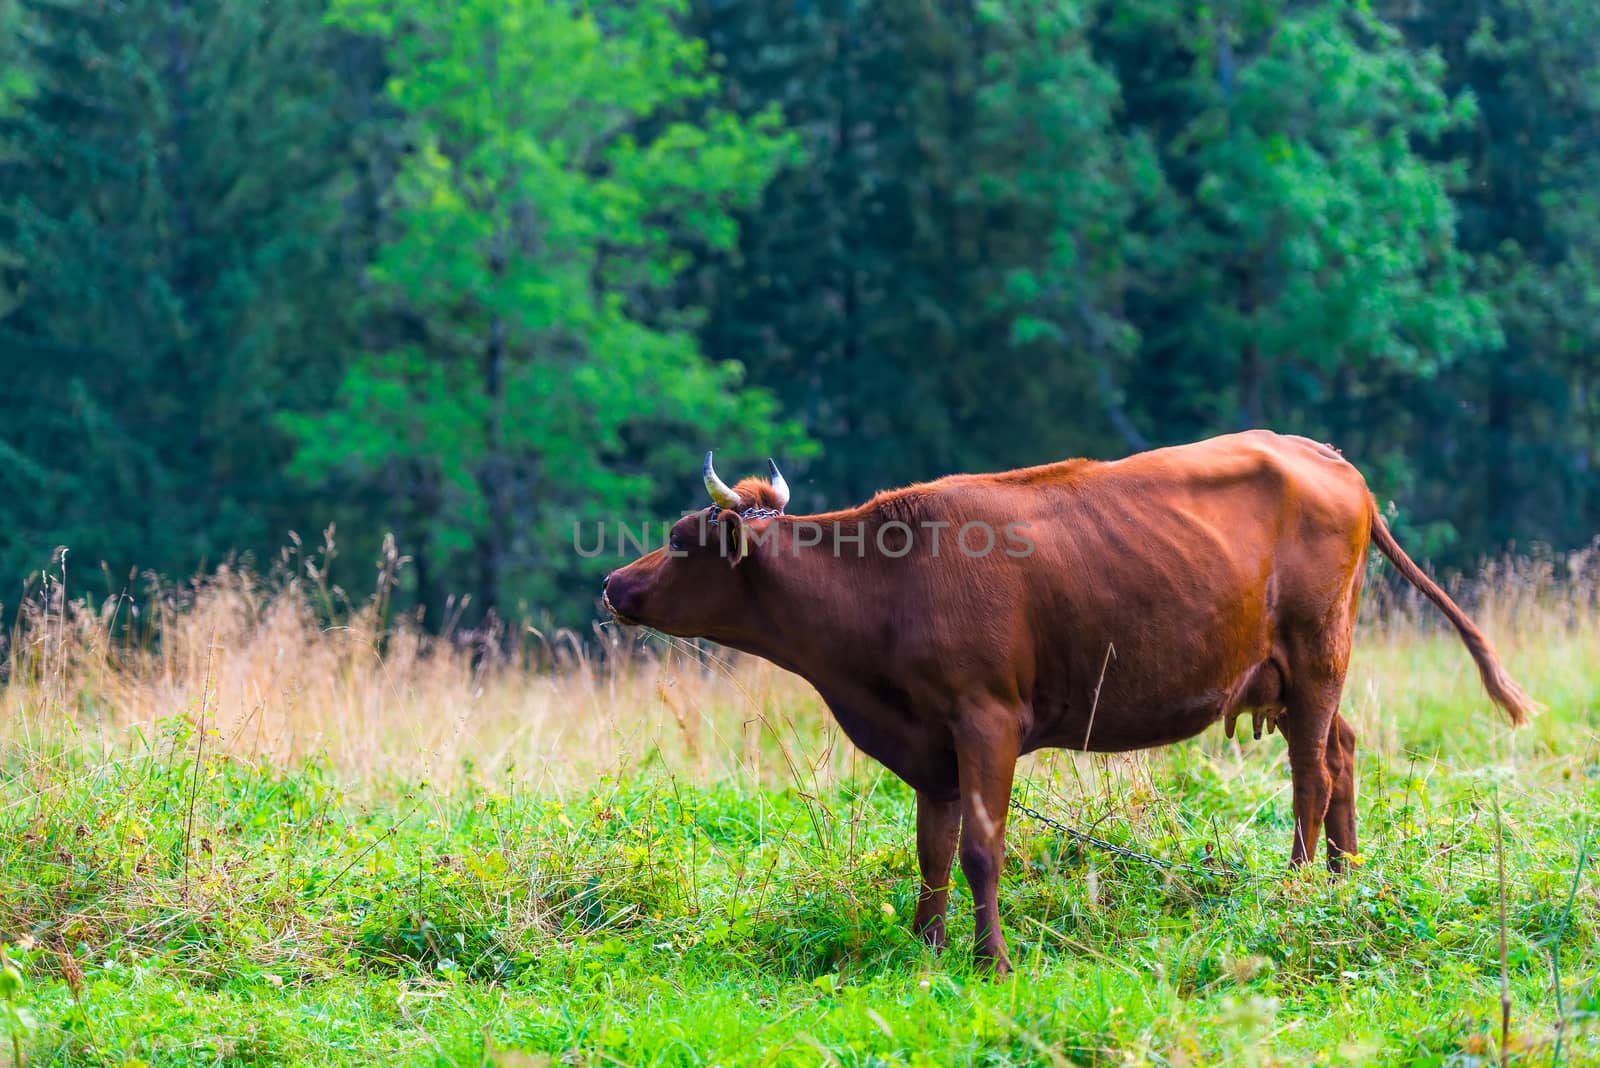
[558,167]
[472,273]
[170,207]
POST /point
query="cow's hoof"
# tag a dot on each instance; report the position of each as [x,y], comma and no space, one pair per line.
[931,931]
[994,965]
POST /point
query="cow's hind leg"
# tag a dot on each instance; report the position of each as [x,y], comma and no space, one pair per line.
[1341,822]
[938,823]
[1310,718]
[1316,646]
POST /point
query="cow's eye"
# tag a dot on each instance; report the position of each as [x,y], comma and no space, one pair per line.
[674,544]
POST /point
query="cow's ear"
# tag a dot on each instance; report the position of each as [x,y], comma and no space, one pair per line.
[735,539]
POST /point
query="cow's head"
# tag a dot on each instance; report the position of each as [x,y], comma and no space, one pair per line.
[690,587]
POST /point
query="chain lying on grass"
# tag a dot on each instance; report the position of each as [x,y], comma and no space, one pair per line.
[1122,851]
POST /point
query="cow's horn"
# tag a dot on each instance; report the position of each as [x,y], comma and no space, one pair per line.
[780,488]
[720,493]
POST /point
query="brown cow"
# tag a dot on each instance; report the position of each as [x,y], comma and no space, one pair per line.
[1120,606]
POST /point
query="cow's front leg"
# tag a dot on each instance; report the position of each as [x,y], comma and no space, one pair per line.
[986,751]
[938,823]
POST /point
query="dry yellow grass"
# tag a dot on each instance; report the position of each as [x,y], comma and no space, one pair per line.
[275,682]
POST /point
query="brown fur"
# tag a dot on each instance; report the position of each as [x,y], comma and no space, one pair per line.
[757,493]
[1164,592]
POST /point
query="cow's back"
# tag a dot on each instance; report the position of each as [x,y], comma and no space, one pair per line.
[1158,587]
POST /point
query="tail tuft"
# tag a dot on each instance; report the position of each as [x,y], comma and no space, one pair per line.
[1502,688]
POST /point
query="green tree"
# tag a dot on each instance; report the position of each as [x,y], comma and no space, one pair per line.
[16,74]
[846,292]
[563,158]
[937,286]
[171,198]
[1515,436]
[1060,187]
[17,84]
[1309,245]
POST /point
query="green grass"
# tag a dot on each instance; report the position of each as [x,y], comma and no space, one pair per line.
[172,900]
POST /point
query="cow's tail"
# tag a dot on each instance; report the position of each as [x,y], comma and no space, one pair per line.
[1503,689]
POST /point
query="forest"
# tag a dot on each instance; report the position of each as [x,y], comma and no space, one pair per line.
[469,274]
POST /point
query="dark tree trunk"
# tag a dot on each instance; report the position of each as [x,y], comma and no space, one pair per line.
[1250,375]
[1251,372]
[1500,484]
[421,566]
[1342,422]
[426,501]
[494,543]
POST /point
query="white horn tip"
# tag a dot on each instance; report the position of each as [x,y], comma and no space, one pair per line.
[780,485]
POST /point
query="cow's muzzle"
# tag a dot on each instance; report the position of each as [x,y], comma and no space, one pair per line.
[605,599]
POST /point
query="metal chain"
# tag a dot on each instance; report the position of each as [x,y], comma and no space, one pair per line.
[748,513]
[1112,847]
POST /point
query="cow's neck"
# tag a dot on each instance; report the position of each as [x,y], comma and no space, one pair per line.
[805,605]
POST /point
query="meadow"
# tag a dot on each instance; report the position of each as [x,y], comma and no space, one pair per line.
[232,832]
